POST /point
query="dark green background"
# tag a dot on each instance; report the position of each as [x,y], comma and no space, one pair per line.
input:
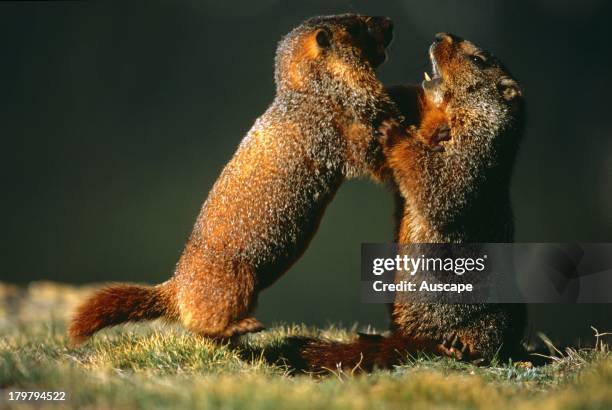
[116,118]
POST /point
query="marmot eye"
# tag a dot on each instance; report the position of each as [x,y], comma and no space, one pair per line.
[479,59]
[323,39]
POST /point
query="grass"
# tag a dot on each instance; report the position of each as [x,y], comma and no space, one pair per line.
[159,366]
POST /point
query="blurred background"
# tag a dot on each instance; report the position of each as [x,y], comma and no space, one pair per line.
[116,119]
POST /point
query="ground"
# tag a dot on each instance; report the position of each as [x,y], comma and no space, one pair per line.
[161,366]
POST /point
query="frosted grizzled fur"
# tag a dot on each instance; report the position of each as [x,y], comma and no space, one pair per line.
[460,194]
[266,205]
[463,194]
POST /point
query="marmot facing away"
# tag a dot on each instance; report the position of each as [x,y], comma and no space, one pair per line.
[474,108]
[268,201]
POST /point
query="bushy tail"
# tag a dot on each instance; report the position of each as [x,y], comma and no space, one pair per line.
[362,354]
[122,303]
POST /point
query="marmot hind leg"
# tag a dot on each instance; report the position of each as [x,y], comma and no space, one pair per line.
[218,305]
[460,348]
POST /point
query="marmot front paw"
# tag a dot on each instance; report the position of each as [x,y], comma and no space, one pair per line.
[433,138]
[390,132]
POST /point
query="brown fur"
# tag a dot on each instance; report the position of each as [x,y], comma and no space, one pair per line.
[122,303]
[462,195]
[366,352]
[458,195]
[268,201]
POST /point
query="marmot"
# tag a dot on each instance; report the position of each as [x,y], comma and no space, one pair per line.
[474,108]
[269,199]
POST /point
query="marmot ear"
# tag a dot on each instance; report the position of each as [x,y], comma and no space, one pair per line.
[509,88]
[323,38]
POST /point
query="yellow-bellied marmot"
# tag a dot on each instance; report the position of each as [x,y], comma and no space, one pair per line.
[267,204]
[474,108]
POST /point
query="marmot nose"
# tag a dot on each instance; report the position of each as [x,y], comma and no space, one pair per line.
[381,28]
[450,38]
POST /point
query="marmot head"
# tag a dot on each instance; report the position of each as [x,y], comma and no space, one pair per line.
[326,54]
[475,90]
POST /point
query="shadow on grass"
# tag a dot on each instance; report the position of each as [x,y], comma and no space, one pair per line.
[285,353]
[288,353]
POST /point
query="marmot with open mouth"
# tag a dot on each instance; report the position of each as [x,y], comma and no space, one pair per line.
[473,112]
